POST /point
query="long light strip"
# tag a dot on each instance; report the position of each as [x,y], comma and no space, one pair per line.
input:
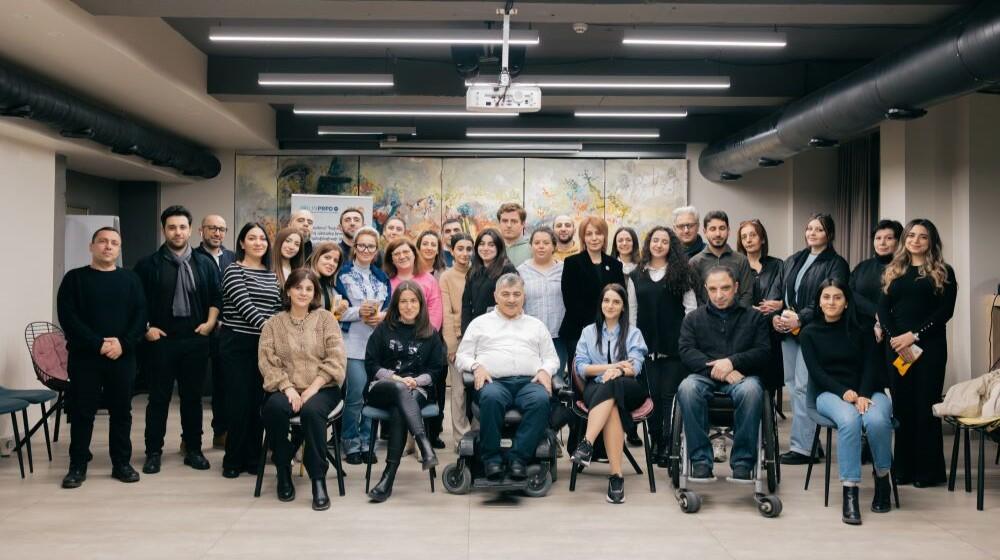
[325,80]
[692,38]
[562,133]
[394,112]
[366,130]
[614,82]
[293,35]
[466,145]
[626,114]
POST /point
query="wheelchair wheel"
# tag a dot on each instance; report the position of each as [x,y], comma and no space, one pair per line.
[689,501]
[457,480]
[769,506]
[770,436]
[674,457]
[539,484]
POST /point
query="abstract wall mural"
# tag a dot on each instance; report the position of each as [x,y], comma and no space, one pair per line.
[404,187]
[562,186]
[426,191]
[473,189]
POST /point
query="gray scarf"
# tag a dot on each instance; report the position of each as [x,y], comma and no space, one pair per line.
[185,282]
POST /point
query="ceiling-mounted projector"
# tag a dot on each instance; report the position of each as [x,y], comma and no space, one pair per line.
[504,96]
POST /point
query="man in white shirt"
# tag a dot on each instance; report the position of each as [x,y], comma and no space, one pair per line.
[512,357]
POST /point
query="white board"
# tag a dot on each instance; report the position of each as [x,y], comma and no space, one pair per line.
[326,209]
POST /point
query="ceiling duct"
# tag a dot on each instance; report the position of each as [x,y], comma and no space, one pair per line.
[960,59]
[21,96]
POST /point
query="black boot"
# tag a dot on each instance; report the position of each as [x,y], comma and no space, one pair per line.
[882,501]
[428,458]
[852,513]
[663,460]
[383,489]
[655,448]
[286,490]
[321,500]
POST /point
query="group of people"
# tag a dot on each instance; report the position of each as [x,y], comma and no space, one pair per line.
[292,328]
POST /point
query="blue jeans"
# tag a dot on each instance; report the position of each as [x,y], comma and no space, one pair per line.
[797,381]
[876,424]
[748,395]
[355,434]
[495,399]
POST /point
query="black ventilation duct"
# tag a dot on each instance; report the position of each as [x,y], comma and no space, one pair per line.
[21,96]
[962,58]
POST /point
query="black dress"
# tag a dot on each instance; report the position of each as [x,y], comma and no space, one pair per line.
[913,305]
[582,281]
[767,285]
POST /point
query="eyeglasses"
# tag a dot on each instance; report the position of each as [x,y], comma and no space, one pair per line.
[217,229]
[686,226]
[365,248]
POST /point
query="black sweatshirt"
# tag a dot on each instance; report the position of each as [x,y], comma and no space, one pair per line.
[840,358]
[866,287]
[94,305]
[738,333]
[912,305]
[398,350]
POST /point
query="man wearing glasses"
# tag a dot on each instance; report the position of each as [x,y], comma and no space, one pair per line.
[686,228]
[213,233]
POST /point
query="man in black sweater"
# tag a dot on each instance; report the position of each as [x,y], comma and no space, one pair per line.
[183,299]
[102,310]
[725,346]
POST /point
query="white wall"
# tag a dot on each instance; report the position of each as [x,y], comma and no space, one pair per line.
[27,188]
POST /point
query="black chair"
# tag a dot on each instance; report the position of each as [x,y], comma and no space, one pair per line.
[963,428]
[332,450]
[12,407]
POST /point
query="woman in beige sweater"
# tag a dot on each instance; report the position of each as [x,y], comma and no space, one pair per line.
[302,359]
[452,287]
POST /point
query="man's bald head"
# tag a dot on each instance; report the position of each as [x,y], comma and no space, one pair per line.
[213,231]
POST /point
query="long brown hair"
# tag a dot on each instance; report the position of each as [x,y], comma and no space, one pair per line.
[276,259]
[680,276]
[438,264]
[294,279]
[423,323]
[934,265]
[320,250]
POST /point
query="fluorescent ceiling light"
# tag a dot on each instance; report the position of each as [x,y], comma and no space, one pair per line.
[306,35]
[395,112]
[460,145]
[562,133]
[325,80]
[629,114]
[694,38]
[366,130]
[614,82]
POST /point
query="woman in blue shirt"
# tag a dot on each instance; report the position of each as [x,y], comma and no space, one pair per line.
[609,357]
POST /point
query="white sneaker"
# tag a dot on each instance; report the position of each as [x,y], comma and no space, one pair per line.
[719,450]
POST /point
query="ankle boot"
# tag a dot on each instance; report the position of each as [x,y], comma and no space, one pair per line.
[428,458]
[852,512]
[286,490]
[654,447]
[321,500]
[663,460]
[383,489]
[882,501]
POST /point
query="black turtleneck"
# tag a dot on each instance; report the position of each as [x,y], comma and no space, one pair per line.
[841,357]
[866,287]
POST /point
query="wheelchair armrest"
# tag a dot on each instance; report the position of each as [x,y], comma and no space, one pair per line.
[468,379]
[558,385]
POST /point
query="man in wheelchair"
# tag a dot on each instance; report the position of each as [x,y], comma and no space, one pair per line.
[512,357]
[724,345]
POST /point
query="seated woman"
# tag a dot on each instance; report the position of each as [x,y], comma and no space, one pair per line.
[843,367]
[302,359]
[609,356]
[403,357]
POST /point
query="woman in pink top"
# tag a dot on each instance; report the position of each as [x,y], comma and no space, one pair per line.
[400,264]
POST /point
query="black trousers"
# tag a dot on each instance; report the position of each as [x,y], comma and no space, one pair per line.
[245,394]
[276,414]
[182,360]
[404,405]
[92,378]
[919,451]
[219,417]
[435,425]
[664,376]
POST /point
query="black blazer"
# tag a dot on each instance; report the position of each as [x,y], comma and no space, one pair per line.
[581,290]
[208,286]
[828,264]
[768,283]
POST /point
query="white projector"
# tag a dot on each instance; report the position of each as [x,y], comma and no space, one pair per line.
[503,99]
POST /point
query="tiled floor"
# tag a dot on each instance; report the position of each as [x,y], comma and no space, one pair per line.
[182,513]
